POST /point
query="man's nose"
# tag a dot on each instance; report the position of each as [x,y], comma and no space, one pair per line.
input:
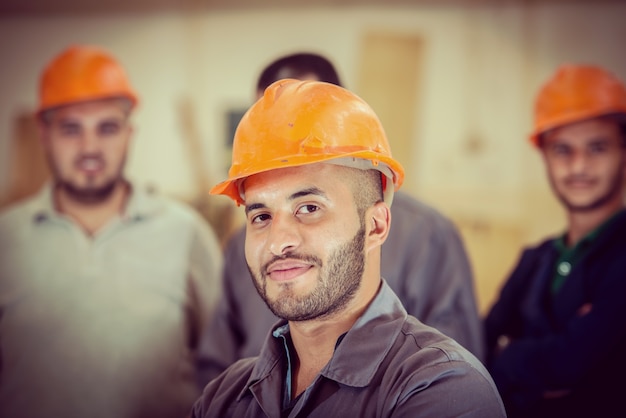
[90,142]
[283,234]
[579,161]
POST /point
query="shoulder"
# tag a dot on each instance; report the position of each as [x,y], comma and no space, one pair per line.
[406,206]
[436,365]
[163,208]
[17,215]
[614,234]
[175,207]
[537,250]
[413,217]
[166,215]
[425,338]
[220,393]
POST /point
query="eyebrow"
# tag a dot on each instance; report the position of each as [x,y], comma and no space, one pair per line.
[591,140]
[302,193]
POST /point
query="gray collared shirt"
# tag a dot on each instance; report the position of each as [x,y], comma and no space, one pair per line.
[103,325]
[388,364]
[423,260]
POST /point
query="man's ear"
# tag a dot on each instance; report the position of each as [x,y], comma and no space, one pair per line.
[378,222]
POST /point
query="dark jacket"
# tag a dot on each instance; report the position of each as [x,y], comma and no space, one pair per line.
[554,347]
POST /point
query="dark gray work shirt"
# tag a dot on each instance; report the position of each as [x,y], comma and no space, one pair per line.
[423,260]
[388,364]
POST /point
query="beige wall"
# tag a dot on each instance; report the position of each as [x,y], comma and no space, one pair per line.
[478,72]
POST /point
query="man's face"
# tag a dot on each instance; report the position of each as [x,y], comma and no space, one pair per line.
[586,164]
[304,240]
[86,146]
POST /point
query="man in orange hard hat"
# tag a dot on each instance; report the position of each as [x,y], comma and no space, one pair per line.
[556,335]
[104,287]
[423,261]
[313,169]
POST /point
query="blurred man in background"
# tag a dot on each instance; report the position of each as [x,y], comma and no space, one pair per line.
[423,261]
[556,335]
[104,288]
[313,168]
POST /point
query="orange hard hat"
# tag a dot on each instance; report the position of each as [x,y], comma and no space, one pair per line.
[575,93]
[82,73]
[305,122]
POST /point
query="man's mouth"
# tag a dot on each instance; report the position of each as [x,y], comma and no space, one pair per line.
[90,164]
[284,270]
[579,183]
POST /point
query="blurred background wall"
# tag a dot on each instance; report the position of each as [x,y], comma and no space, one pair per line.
[453,82]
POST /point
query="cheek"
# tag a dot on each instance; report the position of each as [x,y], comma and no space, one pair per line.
[116,150]
[62,152]
[557,169]
[253,249]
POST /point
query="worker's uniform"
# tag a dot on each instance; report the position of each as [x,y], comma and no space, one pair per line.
[387,365]
[423,260]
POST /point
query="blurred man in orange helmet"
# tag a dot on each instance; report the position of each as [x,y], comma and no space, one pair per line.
[104,287]
[423,260]
[313,169]
[556,335]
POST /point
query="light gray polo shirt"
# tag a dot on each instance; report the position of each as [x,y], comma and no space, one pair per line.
[103,326]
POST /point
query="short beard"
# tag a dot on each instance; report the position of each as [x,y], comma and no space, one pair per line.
[336,285]
[88,195]
[616,187]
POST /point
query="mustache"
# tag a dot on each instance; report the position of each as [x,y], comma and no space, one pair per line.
[292,256]
[578,178]
[89,157]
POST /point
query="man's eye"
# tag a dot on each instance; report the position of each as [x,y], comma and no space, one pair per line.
[308,209]
[69,130]
[263,217]
[561,150]
[597,148]
[109,128]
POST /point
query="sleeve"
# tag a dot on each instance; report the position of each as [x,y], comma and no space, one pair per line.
[435,283]
[455,312]
[504,318]
[530,365]
[560,360]
[204,286]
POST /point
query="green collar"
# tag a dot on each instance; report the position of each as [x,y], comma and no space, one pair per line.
[570,256]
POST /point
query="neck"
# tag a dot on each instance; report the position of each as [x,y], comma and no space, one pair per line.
[581,223]
[315,340]
[92,217]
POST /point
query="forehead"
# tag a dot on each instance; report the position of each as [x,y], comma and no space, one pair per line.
[586,131]
[330,179]
[96,108]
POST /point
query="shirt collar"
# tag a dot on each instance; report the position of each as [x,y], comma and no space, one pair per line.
[562,247]
[41,207]
[141,204]
[385,315]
